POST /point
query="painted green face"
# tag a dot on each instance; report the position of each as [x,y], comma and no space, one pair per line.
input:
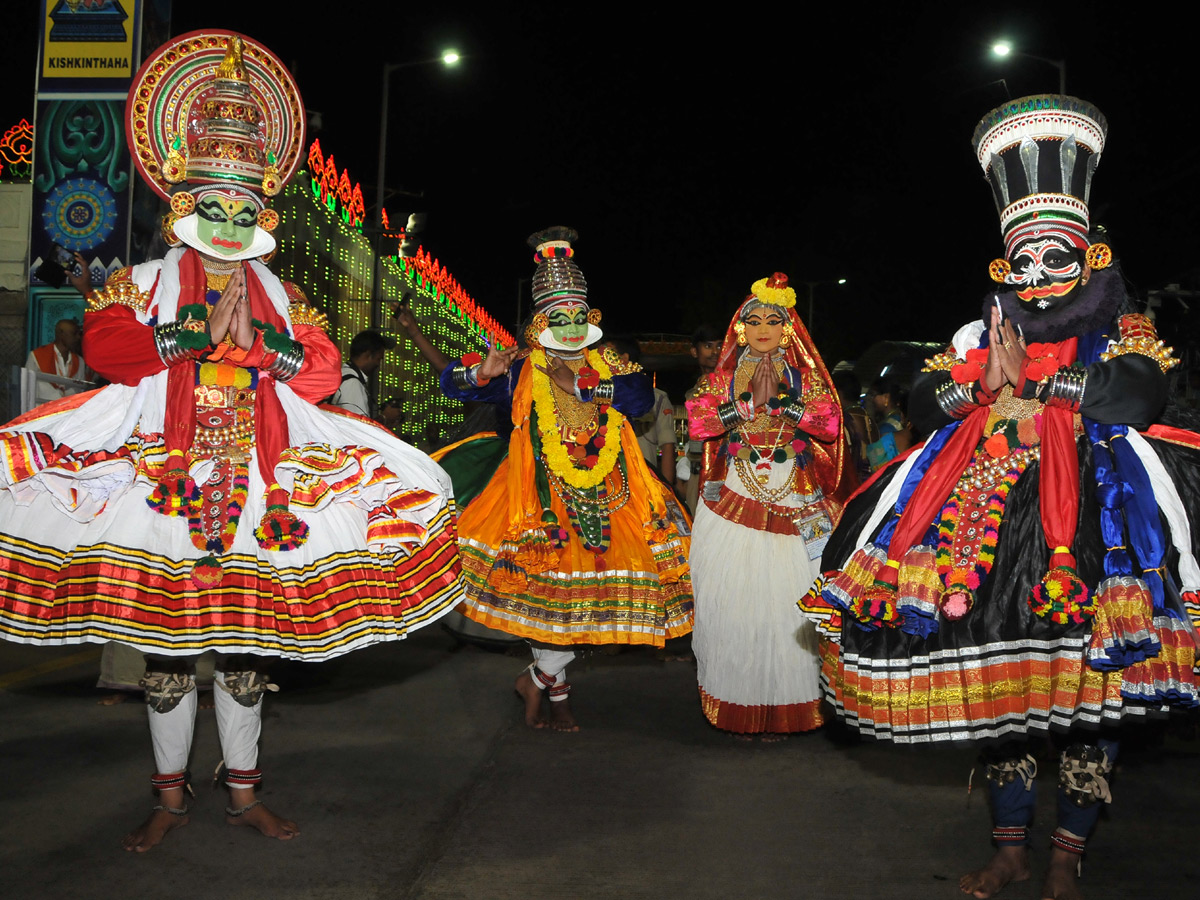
[226,224]
[569,326]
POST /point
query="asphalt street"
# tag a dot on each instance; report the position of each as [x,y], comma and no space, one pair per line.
[411,775]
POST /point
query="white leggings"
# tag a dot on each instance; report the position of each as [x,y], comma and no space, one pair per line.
[553,663]
[238,727]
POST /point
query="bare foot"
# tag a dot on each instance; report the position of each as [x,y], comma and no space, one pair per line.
[1009,864]
[258,816]
[205,700]
[744,738]
[772,737]
[531,696]
[561,718]
[1061,877]
[112,699]
[151,832]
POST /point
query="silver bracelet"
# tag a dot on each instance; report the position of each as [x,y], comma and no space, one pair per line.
[1066,388]
[793,411]
[460,377]
[603,392]
[578,393]
[956,400]
[728,415]
[285,366]
[166,342]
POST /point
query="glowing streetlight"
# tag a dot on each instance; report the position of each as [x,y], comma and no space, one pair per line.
[1004,49]
[451,57]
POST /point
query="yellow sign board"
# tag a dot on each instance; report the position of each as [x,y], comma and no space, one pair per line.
[88,39]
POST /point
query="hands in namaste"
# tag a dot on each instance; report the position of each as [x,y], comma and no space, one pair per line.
[764,382]
[1006,352]
[231,314]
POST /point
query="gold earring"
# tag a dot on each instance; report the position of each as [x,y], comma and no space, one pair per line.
[739,329]
[182,204]
[788,333]
[594,316]
[268,219]
[999,270]
[1099,256]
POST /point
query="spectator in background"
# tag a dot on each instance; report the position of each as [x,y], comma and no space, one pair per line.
[63,357]
[861,432]
[367,350]
[885,402]
[706,349]
[391,415]
[655,429]
[404,316]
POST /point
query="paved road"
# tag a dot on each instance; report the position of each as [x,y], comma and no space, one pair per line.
[411,777]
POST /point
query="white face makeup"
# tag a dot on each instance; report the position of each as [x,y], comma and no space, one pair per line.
[1044,270]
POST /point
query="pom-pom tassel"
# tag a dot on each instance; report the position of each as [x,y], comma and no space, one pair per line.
[877,605]
[1062,597]
[207,572]
[279,529]
[176,493]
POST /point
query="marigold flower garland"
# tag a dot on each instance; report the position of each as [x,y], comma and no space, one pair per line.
[608,431]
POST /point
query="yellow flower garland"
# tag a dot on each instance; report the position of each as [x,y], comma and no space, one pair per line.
[552,446]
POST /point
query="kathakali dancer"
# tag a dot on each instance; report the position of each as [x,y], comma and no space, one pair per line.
[571,543]
[202,500]
[1031,567]
[773,464]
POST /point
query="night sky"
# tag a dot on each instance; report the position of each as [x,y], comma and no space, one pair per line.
[695,154]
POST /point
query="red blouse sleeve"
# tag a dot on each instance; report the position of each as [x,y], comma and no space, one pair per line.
[321,372]
[821,419]
[118,346]
[703,421]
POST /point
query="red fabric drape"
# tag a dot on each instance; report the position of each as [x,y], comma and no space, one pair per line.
[1058,476]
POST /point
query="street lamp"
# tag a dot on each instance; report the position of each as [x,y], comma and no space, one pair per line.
[812,308]
[1004,48]
[449,59]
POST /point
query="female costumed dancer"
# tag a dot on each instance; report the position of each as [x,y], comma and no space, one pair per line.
[773,464]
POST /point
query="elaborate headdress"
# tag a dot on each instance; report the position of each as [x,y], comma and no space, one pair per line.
[558,282]
[1039,154]
[773,293]
[219,112]
[799,352]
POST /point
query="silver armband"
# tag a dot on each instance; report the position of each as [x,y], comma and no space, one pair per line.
[285,366]
[793,412]
[1066,388]
[461,376]
[166,342]
[603,392]
[956,400]
[728,415]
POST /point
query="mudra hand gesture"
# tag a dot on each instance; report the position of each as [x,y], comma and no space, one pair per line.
[1006,352]
[498,363]
[764,382]
[560,373]
[231,313]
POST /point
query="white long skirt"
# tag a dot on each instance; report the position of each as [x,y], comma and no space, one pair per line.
[757,660]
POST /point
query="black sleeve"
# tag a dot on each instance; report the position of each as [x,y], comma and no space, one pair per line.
[923,410]
[1128,390]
